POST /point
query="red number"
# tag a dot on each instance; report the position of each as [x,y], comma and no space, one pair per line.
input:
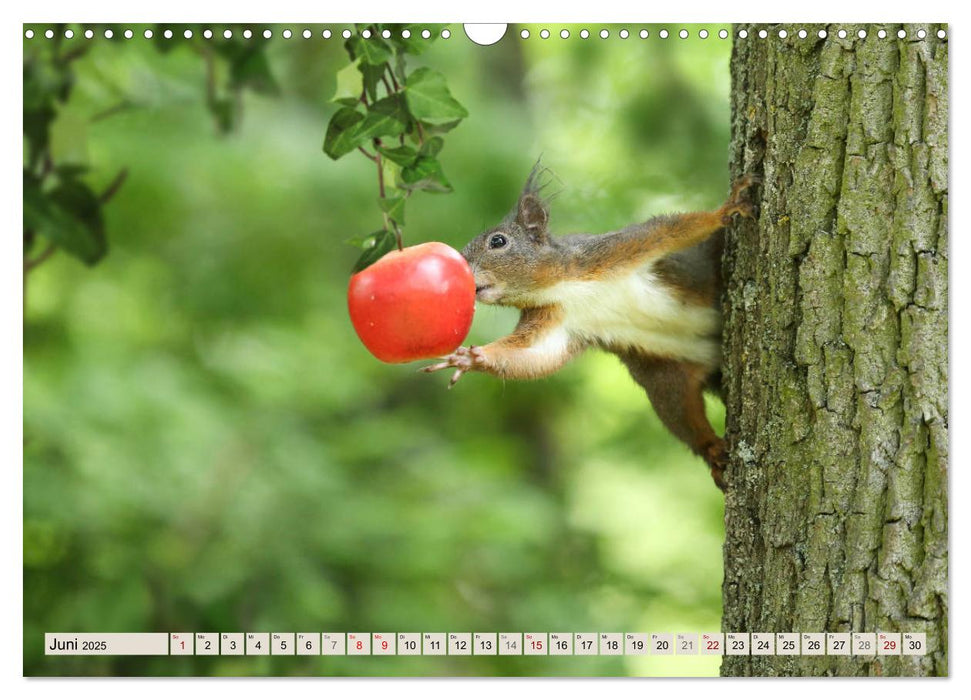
[890,644]
[384,645]
[360,645]
[712,644]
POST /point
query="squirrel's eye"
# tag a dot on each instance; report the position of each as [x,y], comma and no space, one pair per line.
[497,241]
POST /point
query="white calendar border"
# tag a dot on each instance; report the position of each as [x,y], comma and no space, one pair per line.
[11,645]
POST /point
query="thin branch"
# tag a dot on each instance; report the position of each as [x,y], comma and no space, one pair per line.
[394,81]
[387,86]
[74,53]
[369,155]
[115,185]
[111,111]
[388,221]
[40,259]
[377,160]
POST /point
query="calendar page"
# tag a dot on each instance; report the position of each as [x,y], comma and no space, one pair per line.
[447,350]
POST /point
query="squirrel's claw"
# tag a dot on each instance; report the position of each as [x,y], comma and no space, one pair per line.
[455,377]
[464,359]
[740,201]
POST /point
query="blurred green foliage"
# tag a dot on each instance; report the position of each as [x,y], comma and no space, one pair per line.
[208,447]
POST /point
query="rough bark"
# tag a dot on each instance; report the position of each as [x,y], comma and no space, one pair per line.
[836,343]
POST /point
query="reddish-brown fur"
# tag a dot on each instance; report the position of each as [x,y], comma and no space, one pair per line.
[686,257]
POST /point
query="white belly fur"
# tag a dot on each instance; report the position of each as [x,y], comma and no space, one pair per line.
[637,311]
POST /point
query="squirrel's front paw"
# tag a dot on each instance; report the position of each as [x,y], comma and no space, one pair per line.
[716,455]
[464,359]
[740,202]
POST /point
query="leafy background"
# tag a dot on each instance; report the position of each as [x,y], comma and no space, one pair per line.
[209,448]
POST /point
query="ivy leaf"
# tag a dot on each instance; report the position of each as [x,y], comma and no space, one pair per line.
[430,100]
[414,44]
[399,66]
[431,129]
[363,240]
[432,147]
[342,133]
[373,51]
[69,216]
[386,117]
[402,155]
[391,172]
[349,85]
[372,76]
[394,207]
[425,174]
[377,245]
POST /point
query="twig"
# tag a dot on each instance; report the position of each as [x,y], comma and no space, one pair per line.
[369,155]
[74,53]
[115,185]
[388,221]
[111,111]
[377,160]
[40,259]
[393,80]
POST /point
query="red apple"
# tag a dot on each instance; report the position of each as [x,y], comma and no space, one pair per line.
[413,304]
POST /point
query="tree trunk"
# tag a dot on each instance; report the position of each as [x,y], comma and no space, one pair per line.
[836,345]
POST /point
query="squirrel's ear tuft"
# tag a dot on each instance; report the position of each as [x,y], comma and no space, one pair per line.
[533,215]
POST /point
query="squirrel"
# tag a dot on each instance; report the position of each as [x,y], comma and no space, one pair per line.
[648,293]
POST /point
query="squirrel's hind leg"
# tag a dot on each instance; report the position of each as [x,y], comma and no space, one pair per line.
[675,390]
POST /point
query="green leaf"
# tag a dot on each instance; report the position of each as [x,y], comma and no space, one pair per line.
[69,217]
[402,155]
[349,85]
[394,207]
[386,117]
[391,172]
[432,147]
[399,67]
[342,135]
[37,131]
[71,171]
[223,109]
[363,240]
[429,98]
[431,129]
[414,44]
[425,174]
[373,51]
[379,244]
[251,69]
[372,76]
